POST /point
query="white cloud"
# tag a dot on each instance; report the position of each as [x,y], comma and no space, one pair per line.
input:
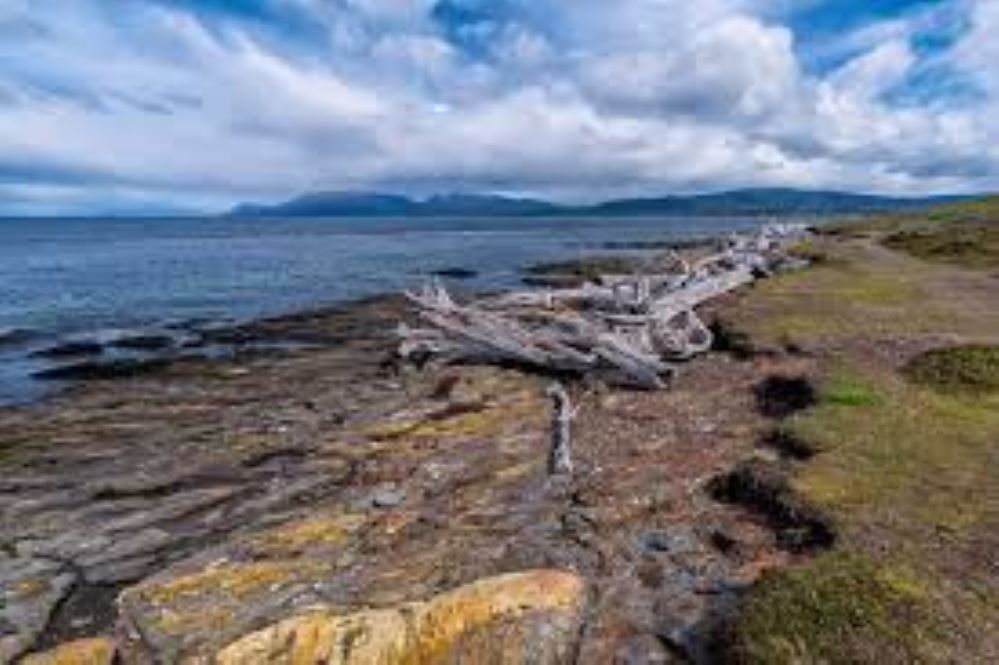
[576,100]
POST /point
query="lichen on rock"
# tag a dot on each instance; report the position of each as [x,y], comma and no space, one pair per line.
[95,651]
[524,617]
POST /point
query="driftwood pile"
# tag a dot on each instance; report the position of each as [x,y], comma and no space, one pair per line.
[621,329]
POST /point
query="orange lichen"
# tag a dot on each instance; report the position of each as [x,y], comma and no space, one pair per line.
[97,651]
[426,633]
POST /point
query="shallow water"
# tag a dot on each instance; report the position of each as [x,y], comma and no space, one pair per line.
[69,277]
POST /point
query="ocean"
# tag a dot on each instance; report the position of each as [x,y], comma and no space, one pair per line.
[71,279]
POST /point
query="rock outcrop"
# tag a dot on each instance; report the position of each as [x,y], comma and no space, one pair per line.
[530,617]
[96,651]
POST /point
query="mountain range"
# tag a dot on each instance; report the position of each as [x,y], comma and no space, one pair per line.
[735,202]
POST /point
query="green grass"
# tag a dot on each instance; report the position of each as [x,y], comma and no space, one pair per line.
[963,233]
[842,389]
[842,297]
[972,369]
[839,609]
[974,245]
[906,459]
[908,475]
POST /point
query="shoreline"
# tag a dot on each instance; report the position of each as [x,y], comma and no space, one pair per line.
[223,506]
[58,362]
[247,438]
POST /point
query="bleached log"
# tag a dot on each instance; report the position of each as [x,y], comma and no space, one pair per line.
[560,454]
[622,328]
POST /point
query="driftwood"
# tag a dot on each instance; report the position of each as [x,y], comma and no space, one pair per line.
[560,458]
[623,329]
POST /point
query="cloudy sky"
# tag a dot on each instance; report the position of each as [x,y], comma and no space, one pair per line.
[151,105]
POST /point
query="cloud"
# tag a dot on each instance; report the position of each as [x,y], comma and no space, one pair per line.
[197,103]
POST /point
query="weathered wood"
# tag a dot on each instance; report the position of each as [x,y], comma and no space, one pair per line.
[621,328]
[560,455]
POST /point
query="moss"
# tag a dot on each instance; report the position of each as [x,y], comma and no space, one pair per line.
[962,369]
[838,609]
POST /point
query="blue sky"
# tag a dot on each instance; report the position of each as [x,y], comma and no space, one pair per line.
[186,105]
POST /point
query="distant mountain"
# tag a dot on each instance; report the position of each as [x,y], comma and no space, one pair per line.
[762,202]
[332,204]
[737,202]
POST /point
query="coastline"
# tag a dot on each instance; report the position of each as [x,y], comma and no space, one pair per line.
[196,455]
[213,507]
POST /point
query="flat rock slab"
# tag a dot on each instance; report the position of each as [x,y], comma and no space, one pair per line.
[496,620]
[31,590]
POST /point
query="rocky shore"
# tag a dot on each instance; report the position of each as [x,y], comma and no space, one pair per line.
[320,502]
[178,511]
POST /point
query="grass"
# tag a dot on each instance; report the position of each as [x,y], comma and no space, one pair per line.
[965,233]
[972,369]
[906,454]
[970,245]
[908,474]
[835,611]
[841,297]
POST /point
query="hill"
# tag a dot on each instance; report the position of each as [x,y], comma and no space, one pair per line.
[736,202]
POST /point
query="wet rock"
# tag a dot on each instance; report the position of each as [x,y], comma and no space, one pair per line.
[456,273]
[144,342]
[500,619]
[95,651]
[14,336]
[71,349]
[96,371]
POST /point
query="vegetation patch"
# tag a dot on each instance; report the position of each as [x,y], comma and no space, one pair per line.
[972,369]
[729,339]
[904,463]
[837,609]
[971,245]
[846,390]
[781,396]
[965,234]
[789,445]
[763,488]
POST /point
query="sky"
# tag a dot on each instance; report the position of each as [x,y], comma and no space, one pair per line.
[194,105]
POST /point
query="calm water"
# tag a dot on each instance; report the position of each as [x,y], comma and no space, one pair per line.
[62,278]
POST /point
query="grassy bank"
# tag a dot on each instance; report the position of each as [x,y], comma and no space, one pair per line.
[899,317]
